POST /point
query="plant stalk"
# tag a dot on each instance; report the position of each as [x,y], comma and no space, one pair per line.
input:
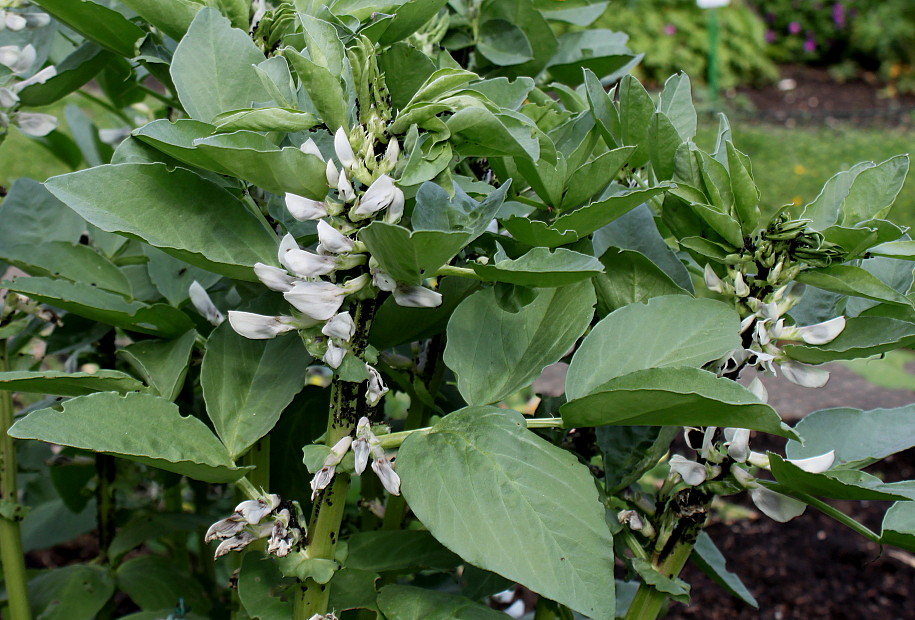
[648,601]
[10,537]
[347,405]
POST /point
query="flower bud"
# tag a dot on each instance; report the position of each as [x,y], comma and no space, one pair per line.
[712,281]
[740,287]
[392,152]
[345,189]
[331,173]
[343,149]
[203,304]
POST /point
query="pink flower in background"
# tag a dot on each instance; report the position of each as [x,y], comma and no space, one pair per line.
[670,30]
[810,45]
[794,27]
[770,36]
[838,14]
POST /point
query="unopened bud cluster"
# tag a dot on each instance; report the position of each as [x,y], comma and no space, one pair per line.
[254,519]
[364,445]
[19,62]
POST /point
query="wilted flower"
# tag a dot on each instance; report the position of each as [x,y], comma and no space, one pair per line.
[225,528]
[691,472]
[341,327]
[260,327]
[326,474]
[253,510]
[385,472]
[416,297]
[236,543]
[203,304]
[334,355]
[282,537]
[376,388]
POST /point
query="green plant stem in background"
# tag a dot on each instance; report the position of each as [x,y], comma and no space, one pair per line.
[105,470]
[825,508]
[259,457]
[347,405]
[10,538]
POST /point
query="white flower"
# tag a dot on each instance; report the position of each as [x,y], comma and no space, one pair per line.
[260,327]
[363,444]
[308,265]
[19,60]
[383,281]
[392,152]
[332,240]
[344,150]
[318,300]
[8,98]
[226,528]
[801,374]
[341,327]
[691,472]
[759,390]
[331,173]
[254,510]
[740,287]
[379,195]
[15,21]
[822,333]
[303,209]
[376,388]
[416,297]
[334,355]
[395,210]
[738,443]
[274,278]
[815,464]
[34,124]
[776,506]
[204,305]
[37,20]
[310,148]
[345,189]
[282,537]
[236,543]
[712,281]
[385,472]
[326,474]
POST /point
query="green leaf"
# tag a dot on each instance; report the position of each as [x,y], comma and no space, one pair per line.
[411,256]
[323,88]
[254,158]
[717,182]
[545,179]
[31,215]
[663,141]
[592,177]
[543,268]
[586,220]
[604,111]
[98,305]
[153,526]
[487,134]
[176,211]
[502,43]
[71,261]
[68,383]
[636,110]
[75,70]
[899,526]
[97,23]
[75,592]
[596,49]
[323,43]
[494,353]
[259,588]
[874,191]
[675,330]
[161,363]
[630,451]
[154,582]
[824,210]
[863,336]
[247,384]
[212,68]
[353,589]
[409,17]
[173,17]
[709,559]
[138,427]
[177,139]
[746,193]
[536,233]
[720,222]
[903,250]
[673,587]
[858,438]
[398,550]
[265,119]
[673,397]
[173,277]
[853,281]
[536,29]
[411,67]
[489,469]
[841,484]
[436,210]
[630,277]
[677,105]
[412,603]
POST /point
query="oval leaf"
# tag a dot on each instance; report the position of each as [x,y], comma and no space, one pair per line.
[68,383]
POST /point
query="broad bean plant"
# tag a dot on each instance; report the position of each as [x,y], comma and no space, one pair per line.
[294,334]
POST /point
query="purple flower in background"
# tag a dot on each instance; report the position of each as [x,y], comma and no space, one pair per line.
[810,45]
[770,36]
[794,27]
[670,30]
[838,14]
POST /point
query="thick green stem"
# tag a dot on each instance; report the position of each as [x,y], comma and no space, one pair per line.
[10,538]
[347,405]
[648,601]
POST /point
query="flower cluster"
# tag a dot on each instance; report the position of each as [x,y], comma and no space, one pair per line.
[765,329]
[365,444]
[313,281]
[264,517]
[19,62]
